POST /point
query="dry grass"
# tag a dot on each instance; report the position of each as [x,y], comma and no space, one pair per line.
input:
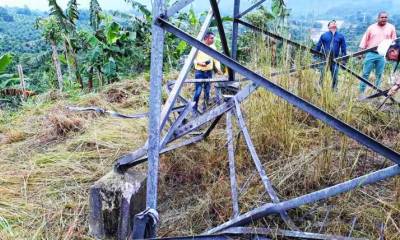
[44,184]
[300,155]
[46,177]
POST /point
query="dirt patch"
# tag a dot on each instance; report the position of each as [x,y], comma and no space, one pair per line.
[13,136]
[88,146]
[116,95]
[59,123]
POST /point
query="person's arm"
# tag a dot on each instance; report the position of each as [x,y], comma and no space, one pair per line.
[343,46]
[395,88]
[319,44]
[394,34]
[217,66]
[364,40]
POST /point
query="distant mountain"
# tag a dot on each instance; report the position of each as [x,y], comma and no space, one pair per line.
[322,8]
[342,7]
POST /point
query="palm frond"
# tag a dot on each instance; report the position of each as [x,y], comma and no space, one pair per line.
[95,11]
[72,12]
[56,10]
[141,7]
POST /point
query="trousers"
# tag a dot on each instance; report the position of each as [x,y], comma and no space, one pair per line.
[372,61]
[199,87]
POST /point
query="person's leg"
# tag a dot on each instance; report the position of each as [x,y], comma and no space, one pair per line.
[207,88]
[322,75]
[367,68]
[197,93]
[379,69]
[334,73]
[197,89]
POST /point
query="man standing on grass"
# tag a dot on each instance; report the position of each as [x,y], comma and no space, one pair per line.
[375,34]
[331,44]
[204,66]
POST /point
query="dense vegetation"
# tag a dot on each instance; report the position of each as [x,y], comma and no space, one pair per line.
[69,49]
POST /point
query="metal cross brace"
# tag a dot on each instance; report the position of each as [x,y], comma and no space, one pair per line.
[267,183]
[313,51]
[155,146]
[288,96]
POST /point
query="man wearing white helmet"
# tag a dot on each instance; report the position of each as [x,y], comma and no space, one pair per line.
[391,51]
[375,34]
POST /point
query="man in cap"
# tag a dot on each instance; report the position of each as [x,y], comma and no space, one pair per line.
[204,66]
[331,44]
[391,51]
[375,34]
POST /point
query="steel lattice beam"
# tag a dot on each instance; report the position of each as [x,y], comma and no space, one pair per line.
[249,9]
[288,96]
[177,6]
[221,31]
[326,193]
[157,120]
[313,51]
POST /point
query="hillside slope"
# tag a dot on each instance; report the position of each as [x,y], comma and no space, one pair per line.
[50,156]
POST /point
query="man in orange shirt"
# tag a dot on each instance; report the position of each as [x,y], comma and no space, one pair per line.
[374,35]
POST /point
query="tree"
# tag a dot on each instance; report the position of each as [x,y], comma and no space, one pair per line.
[95,15]
[51,31]
[67,23]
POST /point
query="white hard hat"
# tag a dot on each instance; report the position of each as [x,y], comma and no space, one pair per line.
[384,46]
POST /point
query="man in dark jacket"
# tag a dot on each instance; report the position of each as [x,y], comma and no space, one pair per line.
[332,44]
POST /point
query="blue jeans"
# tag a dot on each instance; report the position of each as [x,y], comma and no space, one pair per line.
[334,68]
[373,61]
[199,86]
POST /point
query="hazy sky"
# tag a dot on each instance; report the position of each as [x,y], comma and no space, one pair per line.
[297,6]
[43,4]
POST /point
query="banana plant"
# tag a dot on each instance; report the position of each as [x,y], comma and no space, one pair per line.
[6,80]
[51,31]
[5,60]
[67,22]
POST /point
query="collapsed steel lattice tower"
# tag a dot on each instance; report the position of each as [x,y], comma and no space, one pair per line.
[158,117]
